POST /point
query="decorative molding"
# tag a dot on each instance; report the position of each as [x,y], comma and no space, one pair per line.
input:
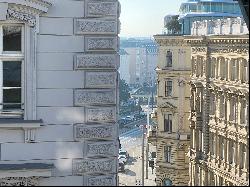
[230,51]
[96,61]
[102,9]
[100,79]
[199,50]
[16,15]
[101,114]
[105,149]
[94,166]
[106,180]
[84,97]
[19,181]
[94,26]
[101,44]
[95,131]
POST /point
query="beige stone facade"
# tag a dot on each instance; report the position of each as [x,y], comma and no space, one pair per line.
[219,120]
[172,136]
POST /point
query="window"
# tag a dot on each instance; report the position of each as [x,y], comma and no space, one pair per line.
[167,151]
[168,123]
[11,67]
[169,88]
[169,59]
[167,182]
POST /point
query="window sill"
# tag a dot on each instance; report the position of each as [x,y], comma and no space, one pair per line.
[19,123]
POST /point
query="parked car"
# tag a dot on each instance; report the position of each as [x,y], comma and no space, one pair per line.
[130,118]
[122,158]
[123,152]
[121,166]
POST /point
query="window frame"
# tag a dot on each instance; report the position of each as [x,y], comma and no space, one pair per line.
[167,88]
[17,56]
[168,124]
[167,153]
[168,55]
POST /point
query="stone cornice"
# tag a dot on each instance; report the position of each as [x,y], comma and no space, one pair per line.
[168,40]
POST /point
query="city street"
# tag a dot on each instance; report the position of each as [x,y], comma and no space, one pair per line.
[132,142]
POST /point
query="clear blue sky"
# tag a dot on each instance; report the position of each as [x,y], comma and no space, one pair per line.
[145,17]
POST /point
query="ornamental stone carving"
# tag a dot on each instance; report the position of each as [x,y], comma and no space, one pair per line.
[101,44]
[230,50]
[102,8]
[16,15]
[19,181]
[100,79]
[88,131]
[108,148]
[94,166]
[90,26]
[108,180]
[103,114]
[84,97]
[96,61]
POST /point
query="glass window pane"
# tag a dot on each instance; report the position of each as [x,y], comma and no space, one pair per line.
[12,38]
[12,73]
[12,98]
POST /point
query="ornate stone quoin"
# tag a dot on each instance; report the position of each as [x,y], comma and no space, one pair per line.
[100,79]
[101,114]
[101,44]
[84,166]
[100,181]
[84,131]
[89,61]
[99,9]
[89,26]
[94,97]
[101,148]
[19,181]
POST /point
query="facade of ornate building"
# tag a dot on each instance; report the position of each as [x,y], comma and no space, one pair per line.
[172,133]
[58,92]
[219,120]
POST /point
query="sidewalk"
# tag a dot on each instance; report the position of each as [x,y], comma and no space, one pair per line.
[133,170]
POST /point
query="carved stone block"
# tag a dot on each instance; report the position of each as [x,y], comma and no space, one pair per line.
[100,79]
[101,114]
[84,97]
[102,9]
[103,180]
[106,149]
[94,166]
[97,61]
[101,44]
[94,26]
[100,131]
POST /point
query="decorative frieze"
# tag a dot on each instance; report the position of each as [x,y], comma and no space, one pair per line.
[16,15]
[101,114]
[106,180]
[84,97]
[101,44]
[106,149]
[102,9]
[94,166]
[94,131]
[96,61]
[94,26]
[100,79]
[230,50]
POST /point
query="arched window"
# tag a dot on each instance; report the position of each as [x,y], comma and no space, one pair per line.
[167,182]
[169,59]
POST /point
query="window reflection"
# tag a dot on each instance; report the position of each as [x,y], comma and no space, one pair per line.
[12,38]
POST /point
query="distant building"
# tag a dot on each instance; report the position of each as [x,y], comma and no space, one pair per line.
[124,66]
[141,57]
[198,10]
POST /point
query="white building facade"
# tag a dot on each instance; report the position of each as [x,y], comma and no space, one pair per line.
[58,92]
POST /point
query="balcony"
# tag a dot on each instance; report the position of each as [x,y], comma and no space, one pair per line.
[152,134]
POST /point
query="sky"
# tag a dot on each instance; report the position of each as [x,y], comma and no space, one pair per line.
[145,18]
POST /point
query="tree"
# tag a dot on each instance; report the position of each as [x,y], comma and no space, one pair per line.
[124,91]
[173,25]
